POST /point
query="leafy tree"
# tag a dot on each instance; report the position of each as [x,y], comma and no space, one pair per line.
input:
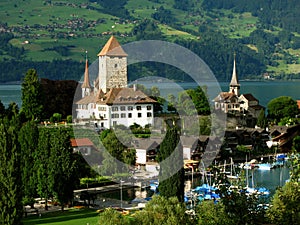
[162,210]
[147,30]
[11,208]
[32,105]
[172,103]
[62,166]
[296,144]
[200,100]
[285,208]
[43,165]
[171,185]
[12,110]
[283,106]
[209,213]
[111,216]
[28,138]
[262,120]
[57,117]
[116,144]
[2,109]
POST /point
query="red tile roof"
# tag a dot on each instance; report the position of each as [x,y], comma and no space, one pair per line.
[112,48]
[125,96]
[298,103]
[81,142]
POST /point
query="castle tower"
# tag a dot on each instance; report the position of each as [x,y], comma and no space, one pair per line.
[112,66]
[86,86]
[234,86]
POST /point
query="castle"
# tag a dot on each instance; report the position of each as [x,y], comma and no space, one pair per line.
[110,102]
[234,102]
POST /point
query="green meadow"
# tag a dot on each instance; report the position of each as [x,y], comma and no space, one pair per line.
[68,217]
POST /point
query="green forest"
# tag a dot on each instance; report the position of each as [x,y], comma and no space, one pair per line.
[53,36]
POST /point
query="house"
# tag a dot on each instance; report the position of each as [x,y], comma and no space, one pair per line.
[234,102]
[82,145]
[146,150]
[109,102]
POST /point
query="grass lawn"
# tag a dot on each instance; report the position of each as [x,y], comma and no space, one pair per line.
[68,217]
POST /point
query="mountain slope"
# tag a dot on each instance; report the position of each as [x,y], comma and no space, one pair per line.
[51,30]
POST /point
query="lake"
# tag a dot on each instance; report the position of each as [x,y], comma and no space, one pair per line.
[264,91]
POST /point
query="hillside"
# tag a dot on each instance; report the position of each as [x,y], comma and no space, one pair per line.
[52,36]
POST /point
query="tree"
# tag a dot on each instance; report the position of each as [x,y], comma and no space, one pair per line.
[2,109]
[62,166]
[283,106]
[284,207]
[43,165]
[28,138]
[200,100]
[116,144]
[32,105]
[170,184]
[262,120]
[111,216]
[296,144]
[11,208]
[209,213]
[162,210]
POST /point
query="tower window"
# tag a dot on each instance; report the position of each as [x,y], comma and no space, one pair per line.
[139,115]
[116,65]
[139,107]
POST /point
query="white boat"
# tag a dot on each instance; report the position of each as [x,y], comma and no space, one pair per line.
[264,166]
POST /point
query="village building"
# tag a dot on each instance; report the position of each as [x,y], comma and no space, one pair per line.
[110,102]
[83,145]
[235,103]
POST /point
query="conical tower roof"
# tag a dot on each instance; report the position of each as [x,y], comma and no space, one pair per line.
[86,80]
[112,48]
[234,78]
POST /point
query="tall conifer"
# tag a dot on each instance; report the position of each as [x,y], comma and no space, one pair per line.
[171,184]
[11,209]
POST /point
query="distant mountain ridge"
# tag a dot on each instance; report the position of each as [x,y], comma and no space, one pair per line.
[52,36]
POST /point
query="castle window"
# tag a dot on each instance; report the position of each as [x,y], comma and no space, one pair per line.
[149,114]
[149,107]
[122,108]
[114,108]
[114,115]
[139,107]
[130,108]
[139,115]
[123,115]
[116,65]
[129,115]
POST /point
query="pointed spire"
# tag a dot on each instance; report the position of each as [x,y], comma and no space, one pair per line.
[112,48]
[234,83]
[86,81]
[234,78]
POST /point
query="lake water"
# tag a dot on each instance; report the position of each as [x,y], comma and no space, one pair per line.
[264,91]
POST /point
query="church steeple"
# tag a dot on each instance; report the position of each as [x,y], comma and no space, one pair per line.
[86,86]
[234,86]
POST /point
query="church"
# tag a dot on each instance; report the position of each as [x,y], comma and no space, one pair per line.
[234,102]
[110,102]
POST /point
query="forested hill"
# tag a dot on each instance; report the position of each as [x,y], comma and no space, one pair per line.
[281,13]
[53,36]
